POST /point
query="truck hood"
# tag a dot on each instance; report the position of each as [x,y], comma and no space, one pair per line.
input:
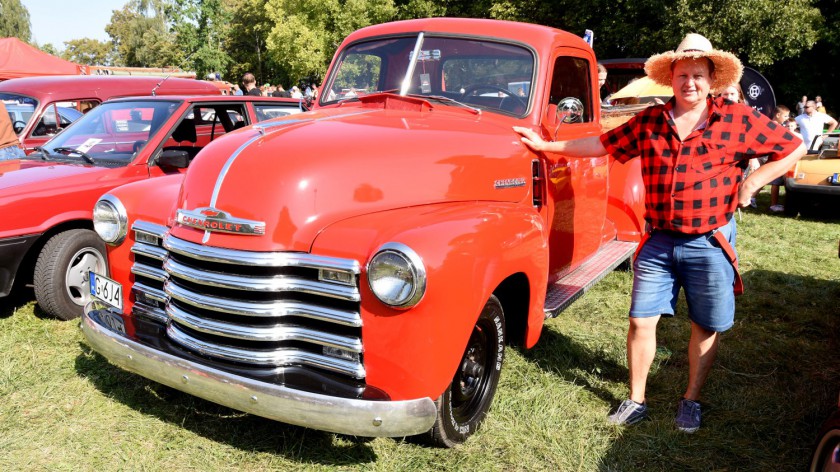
[302,173]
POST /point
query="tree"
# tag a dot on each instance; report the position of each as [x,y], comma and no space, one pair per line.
[89,51]
[141,35]
[49,48]
[246,39]
[200,28]
[14,20]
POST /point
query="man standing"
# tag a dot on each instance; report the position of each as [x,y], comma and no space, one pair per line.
[250,84]
[9,144]
[693,151]
[812,123]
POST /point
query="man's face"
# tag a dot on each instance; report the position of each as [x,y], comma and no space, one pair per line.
[691,81]
[810,107]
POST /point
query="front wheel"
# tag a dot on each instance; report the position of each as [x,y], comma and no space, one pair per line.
[62,284]
[465,403]
[827,453]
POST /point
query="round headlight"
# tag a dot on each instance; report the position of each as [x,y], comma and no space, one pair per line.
[396,276]
[110,219]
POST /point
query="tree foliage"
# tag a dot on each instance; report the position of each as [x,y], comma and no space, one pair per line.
[141,35]
[89,51]
[200,28]
[14,20]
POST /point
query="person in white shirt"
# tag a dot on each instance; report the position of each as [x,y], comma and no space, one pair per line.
[812,123]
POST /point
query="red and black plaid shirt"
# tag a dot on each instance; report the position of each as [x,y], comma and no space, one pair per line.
[692,186]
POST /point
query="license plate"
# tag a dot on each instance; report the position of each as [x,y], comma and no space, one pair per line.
[107,290]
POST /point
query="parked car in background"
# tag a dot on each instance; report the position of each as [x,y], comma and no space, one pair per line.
[46,233]
[33,102]
[815,179]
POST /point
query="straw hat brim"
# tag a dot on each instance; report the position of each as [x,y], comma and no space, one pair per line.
[728,68]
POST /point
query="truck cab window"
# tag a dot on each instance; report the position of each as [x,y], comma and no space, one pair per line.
[571,79]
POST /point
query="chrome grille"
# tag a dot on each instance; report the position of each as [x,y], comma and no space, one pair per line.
[260,309]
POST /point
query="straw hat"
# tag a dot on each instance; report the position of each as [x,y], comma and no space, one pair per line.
[728,67]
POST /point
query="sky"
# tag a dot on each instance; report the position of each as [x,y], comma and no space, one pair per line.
[58,21]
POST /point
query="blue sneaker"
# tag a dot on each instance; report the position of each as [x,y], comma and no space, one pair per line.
[688,416]
[629,412]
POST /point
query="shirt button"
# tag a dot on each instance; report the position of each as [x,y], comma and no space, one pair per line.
[673,194]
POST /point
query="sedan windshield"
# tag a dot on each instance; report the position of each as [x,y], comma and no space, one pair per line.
[481,73]
[110,134]
[20,108]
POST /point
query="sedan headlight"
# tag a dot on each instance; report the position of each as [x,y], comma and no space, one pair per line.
[110,219]
[396,276]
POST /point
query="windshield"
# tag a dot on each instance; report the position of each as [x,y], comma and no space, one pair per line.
[110,134]
[480,73]
[20,108]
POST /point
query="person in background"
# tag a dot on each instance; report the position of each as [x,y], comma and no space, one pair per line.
[602,81]
[819,103]
[734,94]
[812,124]
[236,90]
[281,92]
[800,106]
[9,143]
[296,92]
[781,115]
[249,83]
[692,151]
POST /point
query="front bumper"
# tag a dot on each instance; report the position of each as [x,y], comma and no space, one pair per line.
[792,186]
[328,413]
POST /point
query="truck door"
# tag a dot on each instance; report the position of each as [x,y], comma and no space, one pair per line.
[576,186]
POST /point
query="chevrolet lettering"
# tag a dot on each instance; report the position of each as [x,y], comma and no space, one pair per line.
[211,219]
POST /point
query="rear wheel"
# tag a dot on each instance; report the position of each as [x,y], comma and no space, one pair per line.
[465,403]
[827,453]
[62,284]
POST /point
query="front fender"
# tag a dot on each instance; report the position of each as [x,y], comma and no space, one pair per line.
[468,249]
[152,201]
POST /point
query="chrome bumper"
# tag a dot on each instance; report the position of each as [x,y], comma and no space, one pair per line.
[276,402]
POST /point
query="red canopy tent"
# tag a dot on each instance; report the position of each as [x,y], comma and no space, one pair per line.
[18,59]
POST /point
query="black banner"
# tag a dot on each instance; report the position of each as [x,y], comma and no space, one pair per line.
[757,92]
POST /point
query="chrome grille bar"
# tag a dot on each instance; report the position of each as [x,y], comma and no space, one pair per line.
[277,308]
[260,259]
[271,357]
[153,273]
[148,250]
[277,332]
[278,283]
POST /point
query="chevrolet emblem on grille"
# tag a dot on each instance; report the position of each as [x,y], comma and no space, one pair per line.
[213,219]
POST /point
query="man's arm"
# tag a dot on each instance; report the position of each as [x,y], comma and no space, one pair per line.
[582,147]
[831,124]
[766,173]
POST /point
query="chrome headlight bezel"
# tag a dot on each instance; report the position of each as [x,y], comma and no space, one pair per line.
[110,219]
[407,260]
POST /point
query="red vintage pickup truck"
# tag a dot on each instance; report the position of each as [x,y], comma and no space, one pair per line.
[47,198]
[359,268]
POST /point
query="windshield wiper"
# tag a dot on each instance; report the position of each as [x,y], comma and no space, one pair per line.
[44,153]
[84,155]
[441,98]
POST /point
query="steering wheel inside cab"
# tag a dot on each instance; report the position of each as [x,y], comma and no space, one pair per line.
[509,101]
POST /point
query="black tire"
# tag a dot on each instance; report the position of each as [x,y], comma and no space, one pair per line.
[61,272]
[792,203]
[827,453]
[464,405]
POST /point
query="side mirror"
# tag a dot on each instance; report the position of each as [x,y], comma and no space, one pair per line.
[174,159]
[567,110]
[18,126]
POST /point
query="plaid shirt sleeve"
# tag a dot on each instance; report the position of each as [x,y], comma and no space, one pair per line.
[766,137]
[622,142]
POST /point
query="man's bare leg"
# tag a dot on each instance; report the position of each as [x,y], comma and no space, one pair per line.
[641,349]
[702,349]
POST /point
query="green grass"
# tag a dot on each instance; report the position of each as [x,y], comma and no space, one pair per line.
[63,407]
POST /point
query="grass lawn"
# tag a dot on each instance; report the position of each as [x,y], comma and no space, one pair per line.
[63,407]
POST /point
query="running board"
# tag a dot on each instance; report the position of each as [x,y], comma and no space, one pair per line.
[562,293]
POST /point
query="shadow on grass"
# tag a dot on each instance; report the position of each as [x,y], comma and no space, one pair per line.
[17,298]
[219,423]
[775,380]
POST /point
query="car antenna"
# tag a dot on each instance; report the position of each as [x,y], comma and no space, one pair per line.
[170,75]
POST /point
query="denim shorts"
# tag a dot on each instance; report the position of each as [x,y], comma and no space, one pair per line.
[11,152]
[695,263]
